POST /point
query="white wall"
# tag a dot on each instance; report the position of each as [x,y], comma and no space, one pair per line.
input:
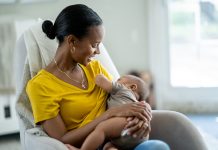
[136,37]
[125,22]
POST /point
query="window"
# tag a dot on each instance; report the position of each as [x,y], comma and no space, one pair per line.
[193,26]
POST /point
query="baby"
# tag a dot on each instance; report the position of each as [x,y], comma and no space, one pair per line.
[127,89]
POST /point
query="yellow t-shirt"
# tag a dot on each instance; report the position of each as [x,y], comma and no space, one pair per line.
[49,96]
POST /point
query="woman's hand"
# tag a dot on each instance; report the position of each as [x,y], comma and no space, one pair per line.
[137,128]
[139,117]
[137,109]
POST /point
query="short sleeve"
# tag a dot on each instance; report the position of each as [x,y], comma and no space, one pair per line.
[45,104]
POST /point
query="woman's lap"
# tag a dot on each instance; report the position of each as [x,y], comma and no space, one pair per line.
[152,145]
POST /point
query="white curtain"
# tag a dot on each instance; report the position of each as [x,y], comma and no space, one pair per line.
[7,43]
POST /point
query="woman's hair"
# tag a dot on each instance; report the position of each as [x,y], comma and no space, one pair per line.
[74,19]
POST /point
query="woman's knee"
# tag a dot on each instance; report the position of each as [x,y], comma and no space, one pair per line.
[153,145]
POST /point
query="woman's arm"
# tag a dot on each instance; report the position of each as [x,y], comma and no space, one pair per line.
[56,128]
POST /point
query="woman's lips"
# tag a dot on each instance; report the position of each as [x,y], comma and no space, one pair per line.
[91,58]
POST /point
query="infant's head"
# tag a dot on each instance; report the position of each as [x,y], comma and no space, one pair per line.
[137,85]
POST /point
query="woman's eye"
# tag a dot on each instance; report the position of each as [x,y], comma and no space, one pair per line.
[95,46]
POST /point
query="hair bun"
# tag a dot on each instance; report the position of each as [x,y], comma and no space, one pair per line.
[48,29]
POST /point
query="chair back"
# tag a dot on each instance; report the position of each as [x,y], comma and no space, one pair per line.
[33,52]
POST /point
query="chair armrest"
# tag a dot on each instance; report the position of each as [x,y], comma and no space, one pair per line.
[177,130]
[34,142]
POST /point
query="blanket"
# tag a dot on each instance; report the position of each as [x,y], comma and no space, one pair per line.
[40,50]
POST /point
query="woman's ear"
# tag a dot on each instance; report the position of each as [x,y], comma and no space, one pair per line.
[71,40]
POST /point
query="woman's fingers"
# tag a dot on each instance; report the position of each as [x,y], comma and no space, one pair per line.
[148,115]
[148,109]
[143,131]
[136,109]
[144,108]
[129,118]
[134,129]
[138,128]
[139,116]
[132,122]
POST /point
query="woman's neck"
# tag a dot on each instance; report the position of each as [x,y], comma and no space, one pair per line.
[64,59]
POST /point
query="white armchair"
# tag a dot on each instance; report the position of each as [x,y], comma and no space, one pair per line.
[169,126]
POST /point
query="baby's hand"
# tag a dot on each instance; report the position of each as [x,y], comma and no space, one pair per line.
[103,82]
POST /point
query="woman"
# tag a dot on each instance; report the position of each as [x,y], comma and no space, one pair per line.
[64,97]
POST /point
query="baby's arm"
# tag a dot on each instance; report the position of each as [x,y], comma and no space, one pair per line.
[107,129]
[103,82]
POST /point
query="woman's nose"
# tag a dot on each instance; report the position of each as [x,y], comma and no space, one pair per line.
[97,51]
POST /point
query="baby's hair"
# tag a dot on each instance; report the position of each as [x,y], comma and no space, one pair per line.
[143,89]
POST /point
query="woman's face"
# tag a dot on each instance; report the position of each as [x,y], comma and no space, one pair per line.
[88,47]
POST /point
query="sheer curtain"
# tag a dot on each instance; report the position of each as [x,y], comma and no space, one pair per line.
[10,31]
[7,42]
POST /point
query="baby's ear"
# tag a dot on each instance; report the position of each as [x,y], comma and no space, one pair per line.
[133,87]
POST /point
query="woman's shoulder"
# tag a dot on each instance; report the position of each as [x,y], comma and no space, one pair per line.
[44,84]
[41,74]
[42,78]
